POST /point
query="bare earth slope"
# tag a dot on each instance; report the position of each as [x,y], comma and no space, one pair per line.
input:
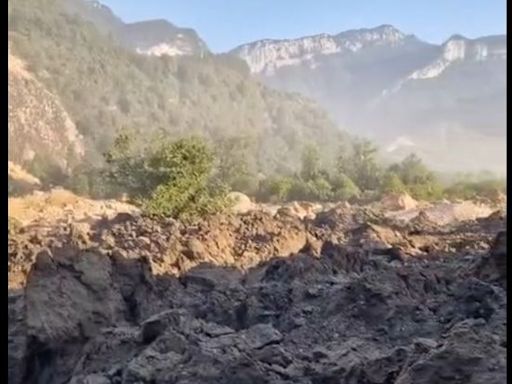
[38,122]
[348,296]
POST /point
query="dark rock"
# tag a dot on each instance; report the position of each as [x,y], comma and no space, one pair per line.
[156,302]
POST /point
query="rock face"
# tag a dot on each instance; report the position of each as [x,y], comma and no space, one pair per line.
[494,266]
[151,37]
[133,300]
[38,123]
[159,37]
[266,56]
[444,102]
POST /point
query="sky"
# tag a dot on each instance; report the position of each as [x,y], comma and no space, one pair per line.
[225,24]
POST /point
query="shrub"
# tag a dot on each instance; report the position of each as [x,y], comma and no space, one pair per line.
[417,179]
[467,190]
[172,179]
[391,183]
[344,188]
[275,189]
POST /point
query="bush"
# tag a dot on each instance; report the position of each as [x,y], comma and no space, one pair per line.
[391,183]
[360,164]
[489,189]
[275,189]
[233,166]
[172,179]
[187,199]
[344,188]
[418,180]
[90,181]
[318,189]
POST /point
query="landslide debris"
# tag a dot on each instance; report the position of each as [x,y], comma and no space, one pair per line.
[348,296]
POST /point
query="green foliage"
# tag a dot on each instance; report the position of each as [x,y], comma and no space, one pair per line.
[427,191]
[310,169]
[106,88]
[360,164]
[391,183]
[92,182]
[128,168]
[412,176]
[172,179]
[344,188]
[489,189]
[275,188]
[412,171]
[46,170]
[318,189]
[233,167]
[187,199]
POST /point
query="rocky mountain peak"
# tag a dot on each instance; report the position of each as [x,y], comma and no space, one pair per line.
[383,33]
[459,47]
[150,37]
[160,37]
[268,55]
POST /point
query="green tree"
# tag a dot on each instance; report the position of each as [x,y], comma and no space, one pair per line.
[490,189]
[412,171]
[233,167]
[417,178]
[276,189]
[310,166]
[319,189]
[391,183]
[127,168]
[172,179]
[360,164]
[344,188]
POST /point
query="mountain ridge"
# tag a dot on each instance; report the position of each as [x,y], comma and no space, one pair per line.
[397,85]
[154,37]
[107,88]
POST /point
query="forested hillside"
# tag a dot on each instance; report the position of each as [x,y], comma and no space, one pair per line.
[107,88]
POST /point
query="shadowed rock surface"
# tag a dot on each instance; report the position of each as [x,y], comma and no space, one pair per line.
[346,297]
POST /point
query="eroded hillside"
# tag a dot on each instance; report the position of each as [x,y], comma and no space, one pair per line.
[39,127]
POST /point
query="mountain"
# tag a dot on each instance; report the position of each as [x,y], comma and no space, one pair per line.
[95,12]
[267,56]
[444,99]
[151,37]
[105,87]
[159,37]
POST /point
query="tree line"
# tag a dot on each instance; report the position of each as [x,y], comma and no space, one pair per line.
[191,176]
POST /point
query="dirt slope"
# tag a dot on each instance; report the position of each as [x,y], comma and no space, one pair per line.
[37,122]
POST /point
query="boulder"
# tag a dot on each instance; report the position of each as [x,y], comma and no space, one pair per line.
[398,202]
[241,203]
[494,265]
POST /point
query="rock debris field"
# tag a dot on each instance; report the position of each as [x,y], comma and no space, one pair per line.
[346,295]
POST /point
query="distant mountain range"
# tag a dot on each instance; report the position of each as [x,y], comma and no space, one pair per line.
[445,102]
[76,80]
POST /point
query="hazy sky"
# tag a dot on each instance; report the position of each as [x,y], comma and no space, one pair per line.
[224,24]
